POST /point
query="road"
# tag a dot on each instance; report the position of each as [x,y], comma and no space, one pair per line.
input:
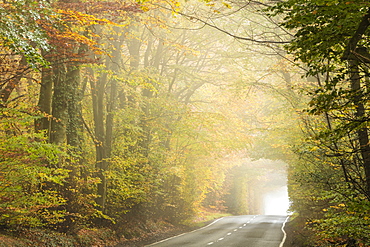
[233,231]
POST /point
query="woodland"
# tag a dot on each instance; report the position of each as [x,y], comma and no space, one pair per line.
[124,119]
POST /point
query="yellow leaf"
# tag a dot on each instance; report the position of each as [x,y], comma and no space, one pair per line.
[226,5]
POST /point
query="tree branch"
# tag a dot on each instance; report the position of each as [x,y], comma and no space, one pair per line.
[352,44]
[224,31]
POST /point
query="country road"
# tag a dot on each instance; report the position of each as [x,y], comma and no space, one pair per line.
[233,231]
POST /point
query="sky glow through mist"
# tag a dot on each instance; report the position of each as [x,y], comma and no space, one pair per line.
[276,202]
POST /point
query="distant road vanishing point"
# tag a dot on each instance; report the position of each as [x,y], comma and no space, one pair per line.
[234,231]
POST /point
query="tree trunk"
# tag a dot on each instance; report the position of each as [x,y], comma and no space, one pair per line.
[74,124]
[13,82]
[133,46]
[45,99]
[362,132]
[97,94]
[59,106]
[114,65]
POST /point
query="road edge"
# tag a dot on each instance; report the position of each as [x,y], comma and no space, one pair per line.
[284,232]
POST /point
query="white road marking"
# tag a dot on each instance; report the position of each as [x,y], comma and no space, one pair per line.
[235,230]
[245,224]
[210,243]
[229,233]
[220,239]
[164,240]
[282,228]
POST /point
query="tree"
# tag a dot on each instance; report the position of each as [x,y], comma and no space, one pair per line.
[21,31]
[331,40]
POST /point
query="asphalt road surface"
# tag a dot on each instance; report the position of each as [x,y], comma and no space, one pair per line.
[234,231]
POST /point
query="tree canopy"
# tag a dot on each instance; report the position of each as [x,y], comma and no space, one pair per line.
[331,41]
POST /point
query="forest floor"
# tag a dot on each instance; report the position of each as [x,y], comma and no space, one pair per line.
[155,237]
[297,235]
[135,235]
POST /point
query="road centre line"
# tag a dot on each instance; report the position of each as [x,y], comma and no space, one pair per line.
[228,234]
[282,228]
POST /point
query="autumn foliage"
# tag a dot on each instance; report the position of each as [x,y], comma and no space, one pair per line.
[101,123]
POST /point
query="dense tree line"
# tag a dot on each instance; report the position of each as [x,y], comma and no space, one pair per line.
[111,112]
[329,181]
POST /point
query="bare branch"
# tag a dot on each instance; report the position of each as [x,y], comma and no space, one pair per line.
[205,23]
